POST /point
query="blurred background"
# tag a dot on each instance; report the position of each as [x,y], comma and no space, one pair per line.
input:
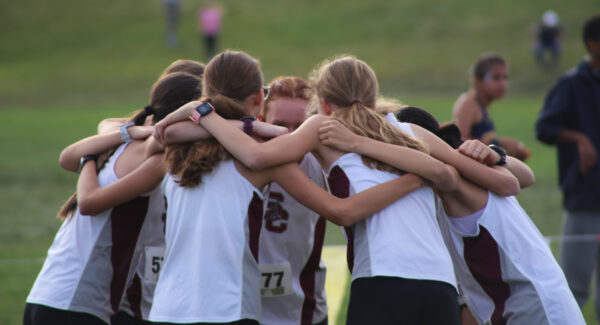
[66,64]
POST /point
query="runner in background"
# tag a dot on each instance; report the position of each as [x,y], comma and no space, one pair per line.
[489,77]
[209,26]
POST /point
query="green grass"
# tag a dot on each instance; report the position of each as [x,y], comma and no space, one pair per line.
[65,65]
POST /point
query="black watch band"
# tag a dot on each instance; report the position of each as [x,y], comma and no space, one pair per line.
[500,152]
[85,159]
[248,123]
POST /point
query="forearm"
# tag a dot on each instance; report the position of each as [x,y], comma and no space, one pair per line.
[69,157]
[521,171]
[86,184]
[185,131]
[566,136]
[498,181]
[364,204]
[409,160]
[111,124]
[239,144]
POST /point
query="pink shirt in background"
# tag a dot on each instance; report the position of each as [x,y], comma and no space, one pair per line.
[209,20]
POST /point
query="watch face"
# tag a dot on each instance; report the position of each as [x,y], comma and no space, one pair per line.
[204,108]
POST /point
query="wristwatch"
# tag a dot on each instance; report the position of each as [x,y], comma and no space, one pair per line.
[248,123]
[85,159]
[501,152]
[201,110]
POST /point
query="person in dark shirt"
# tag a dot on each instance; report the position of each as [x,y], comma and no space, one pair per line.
[547,40]
[570,119]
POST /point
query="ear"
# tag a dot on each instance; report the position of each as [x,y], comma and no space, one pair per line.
[258,98]
[326,107]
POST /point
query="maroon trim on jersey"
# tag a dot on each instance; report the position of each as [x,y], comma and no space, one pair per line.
[483,258]
[339,185]
[255,213]
[308,273]
[134,296]
[126,222]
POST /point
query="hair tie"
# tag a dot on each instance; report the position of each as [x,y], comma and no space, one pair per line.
[222,93]
[149,110]
[356,101]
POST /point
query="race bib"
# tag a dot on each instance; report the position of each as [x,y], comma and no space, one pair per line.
[276,279]
[154,262]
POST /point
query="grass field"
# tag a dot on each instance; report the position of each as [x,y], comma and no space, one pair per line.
[65,65]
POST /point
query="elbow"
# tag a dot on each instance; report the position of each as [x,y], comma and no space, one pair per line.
[527,181]
[447,179]
[66,160]
[256,160]
[511,188]
[340,215]
[86,205]
[170,136]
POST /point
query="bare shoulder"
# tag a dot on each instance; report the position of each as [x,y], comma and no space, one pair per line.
[316,119]
[465,103]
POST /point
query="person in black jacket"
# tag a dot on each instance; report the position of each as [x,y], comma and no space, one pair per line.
[570,119]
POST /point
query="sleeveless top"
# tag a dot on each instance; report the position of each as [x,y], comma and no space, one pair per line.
[210,271]
[403,239]
[484,126]
[93,257]
[505,270]
[291,241]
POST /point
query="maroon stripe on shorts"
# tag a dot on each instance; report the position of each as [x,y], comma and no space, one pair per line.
[134,296]
[483,258]
[126,222]
[255,213]
[308,273]
[339,185]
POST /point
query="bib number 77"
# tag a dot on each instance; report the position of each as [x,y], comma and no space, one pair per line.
[276,279]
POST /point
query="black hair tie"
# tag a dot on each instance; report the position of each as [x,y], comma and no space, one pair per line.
[356,101]
[149,110]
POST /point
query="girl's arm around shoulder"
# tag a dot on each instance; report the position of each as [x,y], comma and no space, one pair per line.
[283,149]
[496,180]
[484,154]
[346,211]
[96,144]
[93,199]
[334,134]
[188,131]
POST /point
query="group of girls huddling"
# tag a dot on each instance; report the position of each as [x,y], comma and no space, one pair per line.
[195,212]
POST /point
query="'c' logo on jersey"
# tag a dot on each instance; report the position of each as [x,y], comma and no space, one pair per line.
[276,216]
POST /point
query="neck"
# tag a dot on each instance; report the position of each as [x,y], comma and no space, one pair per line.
[594,62]
[482,98]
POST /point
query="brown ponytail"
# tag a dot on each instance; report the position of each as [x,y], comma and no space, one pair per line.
[351,85]
[229,78]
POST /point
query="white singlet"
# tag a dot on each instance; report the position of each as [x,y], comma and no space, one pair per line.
[293,235]
[93,257]
[506,257]
[210,272]
[402,240]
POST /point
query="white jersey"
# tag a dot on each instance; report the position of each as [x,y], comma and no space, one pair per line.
[291,240]
[93,257]
[505,269]
[210,272]
[402,240]
[140,290]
